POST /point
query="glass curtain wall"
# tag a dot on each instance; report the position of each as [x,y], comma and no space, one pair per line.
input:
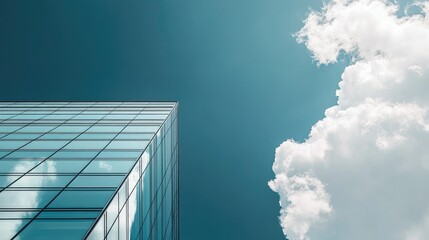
[146,206]
[96,170]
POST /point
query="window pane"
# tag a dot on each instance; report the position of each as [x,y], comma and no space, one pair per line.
[22,136]
[58,117]
[10,227]
[120,117]
[52,229]
[97,232]
[17,166]
[38,129]
[123,224]
[127,145]
[18,214]
[113,233]
[134,136]
[70,129]
[148,129]
[75,154]
[89,117]
[133,215]
[12,144]
[95,136]
[6,116]
[81,199]
[86,145]
[68,214]
[9,129]
[109,166]
[6,180]
[111,129]
[25,199]
[30,154]
[97,181]
[152,116]
[42,181]
[122,154]
[45,145]
[146,196]
[60,166]
[67,136]
[112,212]
[4,153]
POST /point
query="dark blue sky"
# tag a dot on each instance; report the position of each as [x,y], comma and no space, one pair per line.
[243,83]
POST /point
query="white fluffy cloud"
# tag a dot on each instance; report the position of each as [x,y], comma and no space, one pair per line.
[363,170]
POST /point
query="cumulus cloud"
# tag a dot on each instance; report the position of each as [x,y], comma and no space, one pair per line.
[362,171]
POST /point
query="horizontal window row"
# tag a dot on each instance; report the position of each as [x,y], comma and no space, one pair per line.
[80,128]
[42,229]
[84,116]
[57,189]
[63,180]
[22,123]
[61,199]
[65,166]
[86,102]
[49,214]
[74,145]
[83,105]
[89,111]
[73,154]
[84,110]
[84,136]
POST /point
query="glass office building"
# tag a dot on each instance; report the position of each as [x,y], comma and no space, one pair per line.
[89,170]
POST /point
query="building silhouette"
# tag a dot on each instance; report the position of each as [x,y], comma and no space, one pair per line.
[89,170]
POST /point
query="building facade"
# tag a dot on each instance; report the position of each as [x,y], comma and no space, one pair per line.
[89,170]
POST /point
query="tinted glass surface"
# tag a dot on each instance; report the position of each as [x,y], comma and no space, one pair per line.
[63,164]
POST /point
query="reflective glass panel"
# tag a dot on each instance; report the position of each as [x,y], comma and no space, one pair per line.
[67,229]
[81,199]
[76,170]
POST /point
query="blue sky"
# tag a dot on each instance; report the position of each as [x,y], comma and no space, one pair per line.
[243,83]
